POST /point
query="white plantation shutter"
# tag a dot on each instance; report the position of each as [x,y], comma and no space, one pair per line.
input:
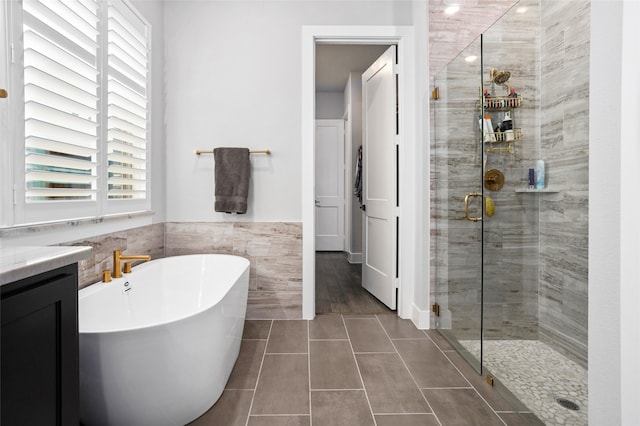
[61,99]
[86,72]
[127,131]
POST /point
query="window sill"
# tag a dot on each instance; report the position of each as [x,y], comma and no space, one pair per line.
[17,230]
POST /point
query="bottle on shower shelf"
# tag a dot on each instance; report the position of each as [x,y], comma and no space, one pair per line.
[513,98]
[507,127]
[487,129]
[540,175]
[487,99]
[532,178]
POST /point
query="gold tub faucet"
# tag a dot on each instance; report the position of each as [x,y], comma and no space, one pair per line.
[118,257]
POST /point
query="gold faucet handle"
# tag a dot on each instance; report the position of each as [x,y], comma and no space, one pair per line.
[127,268]
[106,276]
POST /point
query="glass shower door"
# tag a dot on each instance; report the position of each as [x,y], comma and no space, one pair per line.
[457,169]
[509,262]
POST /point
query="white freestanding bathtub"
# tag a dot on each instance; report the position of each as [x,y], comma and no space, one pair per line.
[158,345]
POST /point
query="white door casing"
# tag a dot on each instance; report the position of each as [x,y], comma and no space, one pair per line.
[330,196]
[413,90]
[379,125]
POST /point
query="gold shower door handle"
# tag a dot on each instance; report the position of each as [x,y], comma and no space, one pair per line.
[466,206]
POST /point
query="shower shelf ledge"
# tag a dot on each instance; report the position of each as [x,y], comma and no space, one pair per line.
[541,191]
[502,103]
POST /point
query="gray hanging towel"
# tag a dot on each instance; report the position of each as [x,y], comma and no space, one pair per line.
[232,172]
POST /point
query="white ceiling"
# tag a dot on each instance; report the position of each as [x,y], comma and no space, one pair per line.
[335,62]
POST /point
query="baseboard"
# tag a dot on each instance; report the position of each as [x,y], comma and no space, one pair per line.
[421,318]
[354,257]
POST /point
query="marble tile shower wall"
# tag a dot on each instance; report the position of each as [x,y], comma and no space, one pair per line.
[565,149]
[450,34]
[536,245]
[511,235]
[456,172]
[510,238]
[274,250]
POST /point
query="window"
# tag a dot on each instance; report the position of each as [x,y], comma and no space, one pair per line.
[127,104]
[84,71]
[61,83]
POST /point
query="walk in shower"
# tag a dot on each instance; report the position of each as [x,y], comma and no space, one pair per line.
[509,263]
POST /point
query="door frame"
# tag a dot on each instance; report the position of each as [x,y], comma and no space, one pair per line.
[410,177]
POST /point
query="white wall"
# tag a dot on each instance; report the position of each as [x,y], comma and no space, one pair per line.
[353,103]
[630,235]
[614,232]
[421,311]
[329,106]
[233,78]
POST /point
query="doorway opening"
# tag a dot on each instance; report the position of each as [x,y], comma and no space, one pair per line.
[338,146]
[409,226]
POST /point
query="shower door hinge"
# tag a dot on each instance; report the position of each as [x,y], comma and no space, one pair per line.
[489,379]
[435,93]
[435,308]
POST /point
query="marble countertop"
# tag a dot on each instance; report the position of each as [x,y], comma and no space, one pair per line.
[17,263]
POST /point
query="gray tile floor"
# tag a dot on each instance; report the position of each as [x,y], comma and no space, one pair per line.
[354,370]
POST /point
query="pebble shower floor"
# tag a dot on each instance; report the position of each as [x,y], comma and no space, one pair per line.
[537,375]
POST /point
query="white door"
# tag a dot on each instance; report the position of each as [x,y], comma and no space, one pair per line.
[330,185]
[379,172]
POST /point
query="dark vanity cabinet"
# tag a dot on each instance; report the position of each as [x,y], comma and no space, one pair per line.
[39,345]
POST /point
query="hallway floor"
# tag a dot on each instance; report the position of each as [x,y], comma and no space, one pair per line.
[354,370]
[339,287]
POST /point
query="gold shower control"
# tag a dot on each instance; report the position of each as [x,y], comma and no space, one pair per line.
[4,93]
[493,180]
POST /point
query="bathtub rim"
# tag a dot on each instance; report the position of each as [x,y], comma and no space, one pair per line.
[100,286]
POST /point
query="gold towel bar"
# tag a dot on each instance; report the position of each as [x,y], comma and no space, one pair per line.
[253,151]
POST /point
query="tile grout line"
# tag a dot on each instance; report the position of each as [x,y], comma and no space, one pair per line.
[451,362]
[405,414]
[355,360]
[281,415]
[336,390]
[259,374]
[408,371]
[476,390]
[447,387]
[328,340]
[467,380]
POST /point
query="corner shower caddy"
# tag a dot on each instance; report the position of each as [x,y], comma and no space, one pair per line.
[502,104]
